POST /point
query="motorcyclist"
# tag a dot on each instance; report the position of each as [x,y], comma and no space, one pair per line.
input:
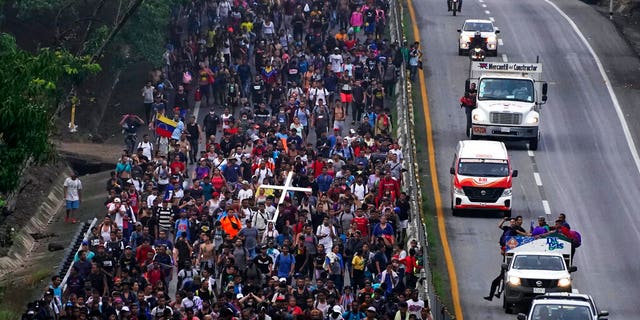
[477,41]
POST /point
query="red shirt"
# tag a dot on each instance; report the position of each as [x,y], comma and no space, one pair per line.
[362,224]
[177,166]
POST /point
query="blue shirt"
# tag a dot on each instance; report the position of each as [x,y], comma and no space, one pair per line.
[284,263]
[324,182]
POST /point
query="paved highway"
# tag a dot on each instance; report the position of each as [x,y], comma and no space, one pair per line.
[584,164]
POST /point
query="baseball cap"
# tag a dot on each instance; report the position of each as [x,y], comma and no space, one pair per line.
[128,247]
[337,309]
[125,309]
[282,279]
[85,243]
[116,200]
[239,296]
[372,309]
[275,278]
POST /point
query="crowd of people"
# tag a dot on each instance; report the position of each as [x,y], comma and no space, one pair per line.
[297,89]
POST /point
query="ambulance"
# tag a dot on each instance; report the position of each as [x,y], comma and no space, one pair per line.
[481,177]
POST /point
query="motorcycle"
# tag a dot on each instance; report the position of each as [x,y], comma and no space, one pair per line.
[476,54]
[476,48]
[454,5]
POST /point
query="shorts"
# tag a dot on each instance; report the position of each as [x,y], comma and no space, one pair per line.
[346,97]
[72,205]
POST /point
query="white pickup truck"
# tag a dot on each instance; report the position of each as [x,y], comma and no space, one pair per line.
[533,267]
[563,305]
[509,100]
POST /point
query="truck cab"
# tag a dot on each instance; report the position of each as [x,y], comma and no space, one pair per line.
[509,100]
[481,177]
[533,267]
[487,30]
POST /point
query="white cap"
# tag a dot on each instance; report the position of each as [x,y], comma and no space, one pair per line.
[337,308]
[125,309]
[371,309]
[116,200]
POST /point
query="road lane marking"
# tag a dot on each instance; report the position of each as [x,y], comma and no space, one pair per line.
[536,176]
[500,42]
[487,12]
[612,94]
[547,208]
[481,1]
[530,153]
[504,58]
[484,5]
[492,19]
[451,269]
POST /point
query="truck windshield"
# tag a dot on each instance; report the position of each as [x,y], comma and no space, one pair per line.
[533,262]
[506,89]
[483,168]
[478,26]
[558,311]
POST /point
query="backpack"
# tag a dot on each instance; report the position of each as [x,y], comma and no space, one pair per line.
[576,238]
[503,238]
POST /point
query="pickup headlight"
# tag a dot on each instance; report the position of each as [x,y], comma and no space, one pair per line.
[458,191]
[564,282]
[514,281]
[506,192]
[492,39]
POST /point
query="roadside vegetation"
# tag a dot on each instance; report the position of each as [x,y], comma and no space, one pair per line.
[437,264]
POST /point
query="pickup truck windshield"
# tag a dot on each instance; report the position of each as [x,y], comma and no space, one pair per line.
[483,168]
[478,26]
[532,262]
[558,311]
[506,89]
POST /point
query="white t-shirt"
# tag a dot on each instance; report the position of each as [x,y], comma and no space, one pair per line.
[415,307]
[147,149]
[245,194]
[318,93]
[327,241]
[73,188]
[336,62]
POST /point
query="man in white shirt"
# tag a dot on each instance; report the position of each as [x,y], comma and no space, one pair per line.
[325,234]
[146,146]
[73,196]
[415,305]
[245,192]
[336,61]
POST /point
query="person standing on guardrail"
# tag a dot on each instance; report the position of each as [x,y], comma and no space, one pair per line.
[73,196]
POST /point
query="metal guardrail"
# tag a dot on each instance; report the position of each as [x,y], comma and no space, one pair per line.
[72,252]
[418,230]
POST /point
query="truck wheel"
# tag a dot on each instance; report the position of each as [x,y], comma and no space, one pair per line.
[454,211]
[533,144]
[506,306]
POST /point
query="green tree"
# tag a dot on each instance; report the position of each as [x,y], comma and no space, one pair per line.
[30,86]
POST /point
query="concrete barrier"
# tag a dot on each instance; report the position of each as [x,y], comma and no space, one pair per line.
[23,242]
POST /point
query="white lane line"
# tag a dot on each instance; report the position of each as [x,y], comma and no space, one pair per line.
[530,153]
[612,94]
[484,5]
[481,1]
[500,42]
[547,208]
[504,58]
[492,19]
[536,176]
[487,12]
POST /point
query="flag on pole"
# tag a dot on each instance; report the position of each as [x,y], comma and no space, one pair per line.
[165,126]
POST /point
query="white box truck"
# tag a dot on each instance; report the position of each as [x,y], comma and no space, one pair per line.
[509,100]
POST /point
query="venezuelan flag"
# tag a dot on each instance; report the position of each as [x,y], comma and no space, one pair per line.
[165,126]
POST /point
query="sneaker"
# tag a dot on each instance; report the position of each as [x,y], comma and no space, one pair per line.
[489,298]
[73,220]
[498,294]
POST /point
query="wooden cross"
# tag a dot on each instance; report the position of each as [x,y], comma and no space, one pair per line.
[285,189]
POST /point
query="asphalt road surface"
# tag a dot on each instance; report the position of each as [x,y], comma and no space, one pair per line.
[583,166]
